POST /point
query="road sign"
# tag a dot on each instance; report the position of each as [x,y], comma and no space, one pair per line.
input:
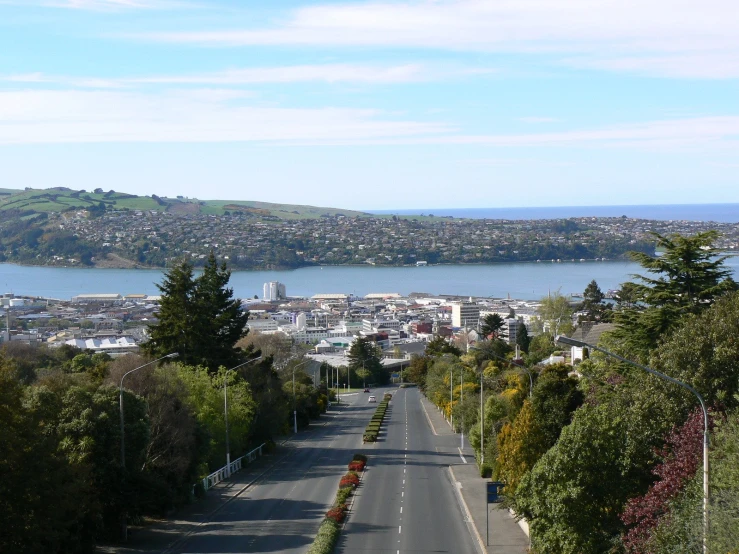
[494,489]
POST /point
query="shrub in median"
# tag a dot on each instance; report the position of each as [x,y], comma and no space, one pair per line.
[356,465]
[328,535]
[328,532]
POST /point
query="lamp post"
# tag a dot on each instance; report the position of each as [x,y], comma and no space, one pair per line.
[225,411]
[580,344]
[123,431]
[461,397]
[295,407]
[451,397]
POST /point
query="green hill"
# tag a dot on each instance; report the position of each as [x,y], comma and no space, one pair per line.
[61,199]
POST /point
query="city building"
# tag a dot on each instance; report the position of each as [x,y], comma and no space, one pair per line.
[274,290]
[465,314]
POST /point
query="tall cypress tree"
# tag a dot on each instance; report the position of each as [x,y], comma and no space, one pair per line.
[220,317]
[176,329]
[198,317]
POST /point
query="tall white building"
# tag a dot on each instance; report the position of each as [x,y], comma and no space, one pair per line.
[274,290]
[465,314]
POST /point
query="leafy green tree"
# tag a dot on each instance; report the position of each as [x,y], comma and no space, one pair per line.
[42,497]
[555,314]
[555,398]
[540,348]
[363,354]
[689,277]
[205,399]
[418,370]
[574,494]
[440,346]
[272,405]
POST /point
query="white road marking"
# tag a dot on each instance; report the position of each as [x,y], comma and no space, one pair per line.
[400,529]
[461,455]
[401,509]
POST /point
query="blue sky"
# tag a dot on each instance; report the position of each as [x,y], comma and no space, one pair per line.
[375,105]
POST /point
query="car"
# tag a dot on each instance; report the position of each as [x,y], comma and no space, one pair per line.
[366,390]
[372,399]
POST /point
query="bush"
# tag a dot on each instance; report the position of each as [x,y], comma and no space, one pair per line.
[356,465]
[328,535]
[351,479]
[370,437]
[360,457]
[337,513]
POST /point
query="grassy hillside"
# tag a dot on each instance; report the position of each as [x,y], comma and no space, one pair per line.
[63,199]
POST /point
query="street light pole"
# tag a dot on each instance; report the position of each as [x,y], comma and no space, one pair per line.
[461,397]
[123,431]
[225,411]
[295,406]
[580,344]
[451,397]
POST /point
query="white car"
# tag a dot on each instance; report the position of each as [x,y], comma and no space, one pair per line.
[372,399]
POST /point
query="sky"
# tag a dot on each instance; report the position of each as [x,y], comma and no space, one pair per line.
[375,105]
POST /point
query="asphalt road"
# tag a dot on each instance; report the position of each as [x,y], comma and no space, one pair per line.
[407,503]
[281,512]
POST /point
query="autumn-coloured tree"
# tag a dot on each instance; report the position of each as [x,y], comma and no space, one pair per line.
[519,447]
[682,457]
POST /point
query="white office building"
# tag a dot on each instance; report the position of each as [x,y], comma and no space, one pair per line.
[274,290]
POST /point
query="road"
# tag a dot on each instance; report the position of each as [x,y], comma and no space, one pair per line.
[281,512]
[407,503]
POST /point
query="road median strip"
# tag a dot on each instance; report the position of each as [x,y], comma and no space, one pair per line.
[373,427]
[330,528]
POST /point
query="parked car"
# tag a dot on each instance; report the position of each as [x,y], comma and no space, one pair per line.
[366,390]
[372,399]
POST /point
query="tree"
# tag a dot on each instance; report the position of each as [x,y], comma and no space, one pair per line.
[689,277]
[522,337]
[682,456]
[520,445]
[363,354]
[555,398]
[491,325]
[198,317]
[593,305]
[574,494]
[176,329]
[440,346]
[555,312]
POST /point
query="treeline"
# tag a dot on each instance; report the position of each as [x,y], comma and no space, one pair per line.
[607,458]
[63,484]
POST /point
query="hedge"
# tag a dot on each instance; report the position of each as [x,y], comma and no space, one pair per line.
[328,531]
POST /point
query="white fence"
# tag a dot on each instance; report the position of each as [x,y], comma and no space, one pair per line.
[226,471]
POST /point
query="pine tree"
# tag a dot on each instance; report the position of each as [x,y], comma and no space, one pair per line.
[198,317]
[689,278]
[176,329]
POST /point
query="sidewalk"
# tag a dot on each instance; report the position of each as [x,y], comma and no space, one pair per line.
[162,535]
[505,535]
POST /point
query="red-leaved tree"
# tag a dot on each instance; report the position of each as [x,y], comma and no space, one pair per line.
[682,456]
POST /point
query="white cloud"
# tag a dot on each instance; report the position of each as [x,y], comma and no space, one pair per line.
[661,37]
[226,115]
[327,73]
[209,115]
[106,5]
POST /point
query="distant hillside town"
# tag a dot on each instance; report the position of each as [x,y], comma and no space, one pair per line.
[153,238]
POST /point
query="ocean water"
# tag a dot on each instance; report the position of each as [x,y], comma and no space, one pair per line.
[722,213]
[528,281]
